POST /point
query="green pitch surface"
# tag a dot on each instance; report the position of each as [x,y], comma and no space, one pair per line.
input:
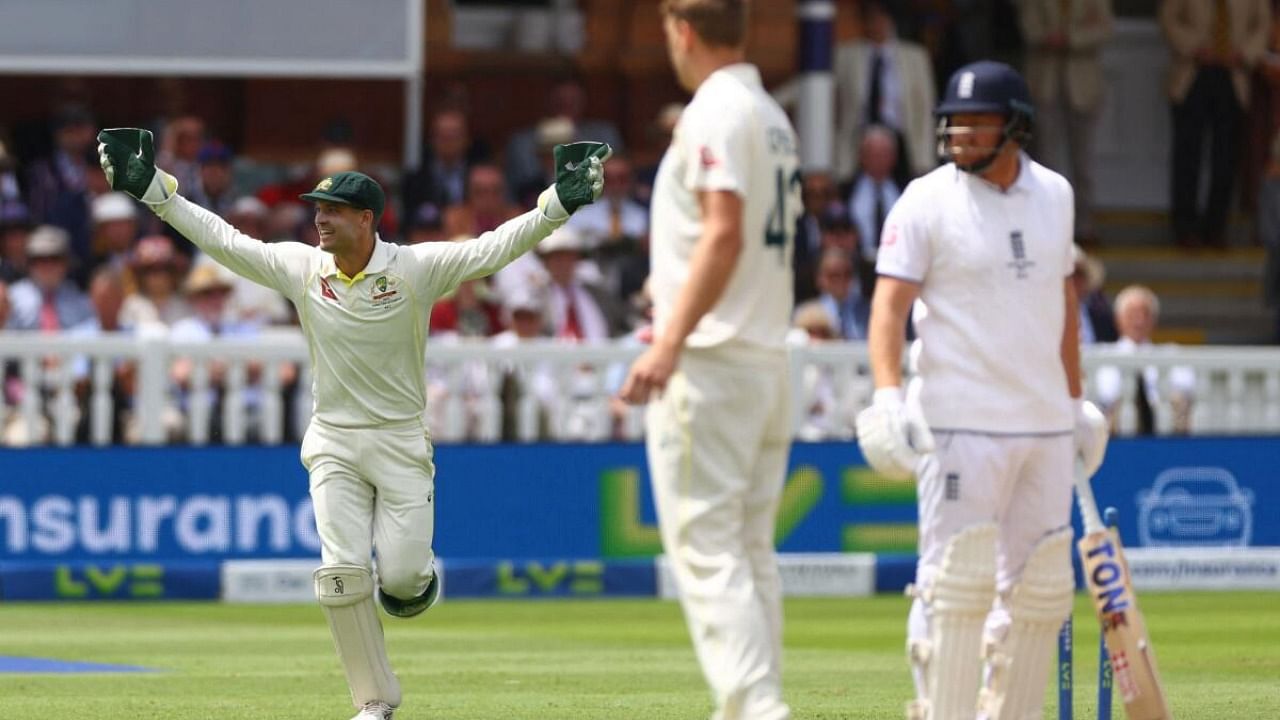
[568,660]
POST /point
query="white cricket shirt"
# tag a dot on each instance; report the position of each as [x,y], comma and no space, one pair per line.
[367,334]
[991,266]
[732,136]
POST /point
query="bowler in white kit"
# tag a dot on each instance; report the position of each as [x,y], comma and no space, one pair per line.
[725,204]
[979,254]
[364,306]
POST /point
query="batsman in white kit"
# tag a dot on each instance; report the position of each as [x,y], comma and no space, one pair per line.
[725,205]
[978,252]
[364,306]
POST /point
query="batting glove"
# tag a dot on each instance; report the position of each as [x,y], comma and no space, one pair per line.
[579,179]
[1091,434]
[892,436]
[128,159]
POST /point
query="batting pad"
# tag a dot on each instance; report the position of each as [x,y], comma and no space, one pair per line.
[956,601]
[1018,667]
[346,596]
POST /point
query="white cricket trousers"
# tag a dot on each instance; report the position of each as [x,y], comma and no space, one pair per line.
[374,488]
[1020,482]
[717,443]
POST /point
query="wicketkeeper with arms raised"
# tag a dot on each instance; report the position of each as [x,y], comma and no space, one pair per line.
[978,253]
[364,306]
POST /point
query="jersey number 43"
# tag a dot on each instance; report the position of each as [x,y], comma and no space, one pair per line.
[780,225]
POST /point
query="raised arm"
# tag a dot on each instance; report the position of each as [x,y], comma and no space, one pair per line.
[579,181]
[128,158]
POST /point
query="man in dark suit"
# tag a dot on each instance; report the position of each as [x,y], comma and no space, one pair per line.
[441,180]
[871,195]
[821,202]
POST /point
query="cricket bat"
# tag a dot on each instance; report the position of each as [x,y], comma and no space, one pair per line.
[1106,573]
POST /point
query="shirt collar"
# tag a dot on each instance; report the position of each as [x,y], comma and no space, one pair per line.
[1021,184]
[377,263]
[743,72]
[1023,181]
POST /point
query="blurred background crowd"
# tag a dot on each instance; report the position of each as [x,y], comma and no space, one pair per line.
[78,259]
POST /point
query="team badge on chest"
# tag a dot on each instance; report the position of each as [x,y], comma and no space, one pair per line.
[385,292]
[1018,248]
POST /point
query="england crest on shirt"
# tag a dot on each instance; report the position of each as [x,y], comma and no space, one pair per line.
[1018,248]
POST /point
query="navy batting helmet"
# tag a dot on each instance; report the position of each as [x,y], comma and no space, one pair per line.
[985,87]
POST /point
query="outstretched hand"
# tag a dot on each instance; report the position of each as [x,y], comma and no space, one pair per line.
[579,178]
[128,159]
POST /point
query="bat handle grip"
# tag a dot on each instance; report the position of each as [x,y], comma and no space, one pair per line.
[1088,505]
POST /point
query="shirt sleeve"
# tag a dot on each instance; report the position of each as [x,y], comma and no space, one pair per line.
[905,243]
[280,266]
[716,151]
[445,265]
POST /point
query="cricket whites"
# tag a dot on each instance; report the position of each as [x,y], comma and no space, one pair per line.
[1124,631]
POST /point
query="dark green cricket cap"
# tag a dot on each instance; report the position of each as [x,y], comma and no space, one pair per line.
[351,188]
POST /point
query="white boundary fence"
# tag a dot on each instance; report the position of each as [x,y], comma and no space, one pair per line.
[565,394]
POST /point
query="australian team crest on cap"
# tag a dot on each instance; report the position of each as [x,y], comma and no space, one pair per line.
[325,184]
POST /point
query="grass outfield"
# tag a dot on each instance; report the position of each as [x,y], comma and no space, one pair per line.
[569,660]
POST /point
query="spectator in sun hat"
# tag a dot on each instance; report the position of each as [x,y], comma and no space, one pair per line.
[157,274]
[209,290]
[249,215]
[567,110]
[115,228]
[251,301]
[46,299]
[547,134]
[578,311]
[525,389]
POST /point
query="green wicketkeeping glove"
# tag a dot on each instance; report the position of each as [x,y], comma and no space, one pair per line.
[579,178]
[128,158]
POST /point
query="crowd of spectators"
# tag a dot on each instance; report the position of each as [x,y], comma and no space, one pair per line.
[77,258]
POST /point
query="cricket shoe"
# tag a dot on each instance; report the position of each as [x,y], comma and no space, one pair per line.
[375,711]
